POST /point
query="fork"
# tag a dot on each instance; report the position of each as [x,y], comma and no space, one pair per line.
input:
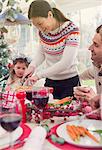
[90,113]
[16,142]
[22,81]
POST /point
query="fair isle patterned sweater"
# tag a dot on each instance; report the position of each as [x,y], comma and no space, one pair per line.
[59,50]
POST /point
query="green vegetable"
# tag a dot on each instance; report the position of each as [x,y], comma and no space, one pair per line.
[100,134]
[98,131]
[60,140]
[53,138]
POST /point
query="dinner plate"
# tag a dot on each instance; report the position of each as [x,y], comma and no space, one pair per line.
[85,142]
[5,138]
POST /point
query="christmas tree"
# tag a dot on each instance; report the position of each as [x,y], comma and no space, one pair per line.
[4,54]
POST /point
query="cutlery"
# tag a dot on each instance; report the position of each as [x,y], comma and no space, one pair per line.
[22,81]
[90,113]
[15,143]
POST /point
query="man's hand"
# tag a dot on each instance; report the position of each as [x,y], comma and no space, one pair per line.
[84,93]
[95,102]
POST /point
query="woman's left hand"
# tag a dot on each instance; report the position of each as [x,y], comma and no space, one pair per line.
[32,80]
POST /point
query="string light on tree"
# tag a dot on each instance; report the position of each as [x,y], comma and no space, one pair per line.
[4,53]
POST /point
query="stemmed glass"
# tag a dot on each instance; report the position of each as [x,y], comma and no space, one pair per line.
[10,117]
[29,95]
[40,98]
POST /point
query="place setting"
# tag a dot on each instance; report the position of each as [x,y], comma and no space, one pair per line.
[13,131]
[51,122]
[81,131]
[73,113]
[88,137]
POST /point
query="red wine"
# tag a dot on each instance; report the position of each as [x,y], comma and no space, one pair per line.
[41,102]
[10,121]
[29,95]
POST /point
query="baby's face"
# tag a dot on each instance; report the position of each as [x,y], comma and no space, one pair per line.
[19,69]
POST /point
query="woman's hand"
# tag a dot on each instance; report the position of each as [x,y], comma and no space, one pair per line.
[32,80]
[84,93]
[29,72]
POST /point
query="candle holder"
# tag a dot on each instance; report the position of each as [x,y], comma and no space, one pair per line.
[21,97]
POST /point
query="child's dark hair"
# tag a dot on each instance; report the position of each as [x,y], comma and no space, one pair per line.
[40,8]
[21,60]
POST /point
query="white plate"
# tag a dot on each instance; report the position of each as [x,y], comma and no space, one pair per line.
[5,138]
[85,142]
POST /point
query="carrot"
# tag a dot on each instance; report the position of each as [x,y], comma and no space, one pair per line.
[71,136]
[62,101]
[81,131]
[90,135]
[71,133]
[76,131]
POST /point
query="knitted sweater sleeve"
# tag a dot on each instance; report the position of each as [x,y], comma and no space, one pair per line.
[69,56]
[39,57]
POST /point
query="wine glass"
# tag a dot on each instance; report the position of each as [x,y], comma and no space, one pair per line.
[29,95]
[10,117]
[40,98]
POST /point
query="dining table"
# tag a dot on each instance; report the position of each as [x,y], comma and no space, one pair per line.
[47,145]
[53,125]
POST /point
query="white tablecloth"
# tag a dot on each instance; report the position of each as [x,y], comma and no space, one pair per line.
[47,145]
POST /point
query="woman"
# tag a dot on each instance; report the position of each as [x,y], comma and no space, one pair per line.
[59,40]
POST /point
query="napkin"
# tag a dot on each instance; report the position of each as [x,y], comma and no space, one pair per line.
[36,139]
